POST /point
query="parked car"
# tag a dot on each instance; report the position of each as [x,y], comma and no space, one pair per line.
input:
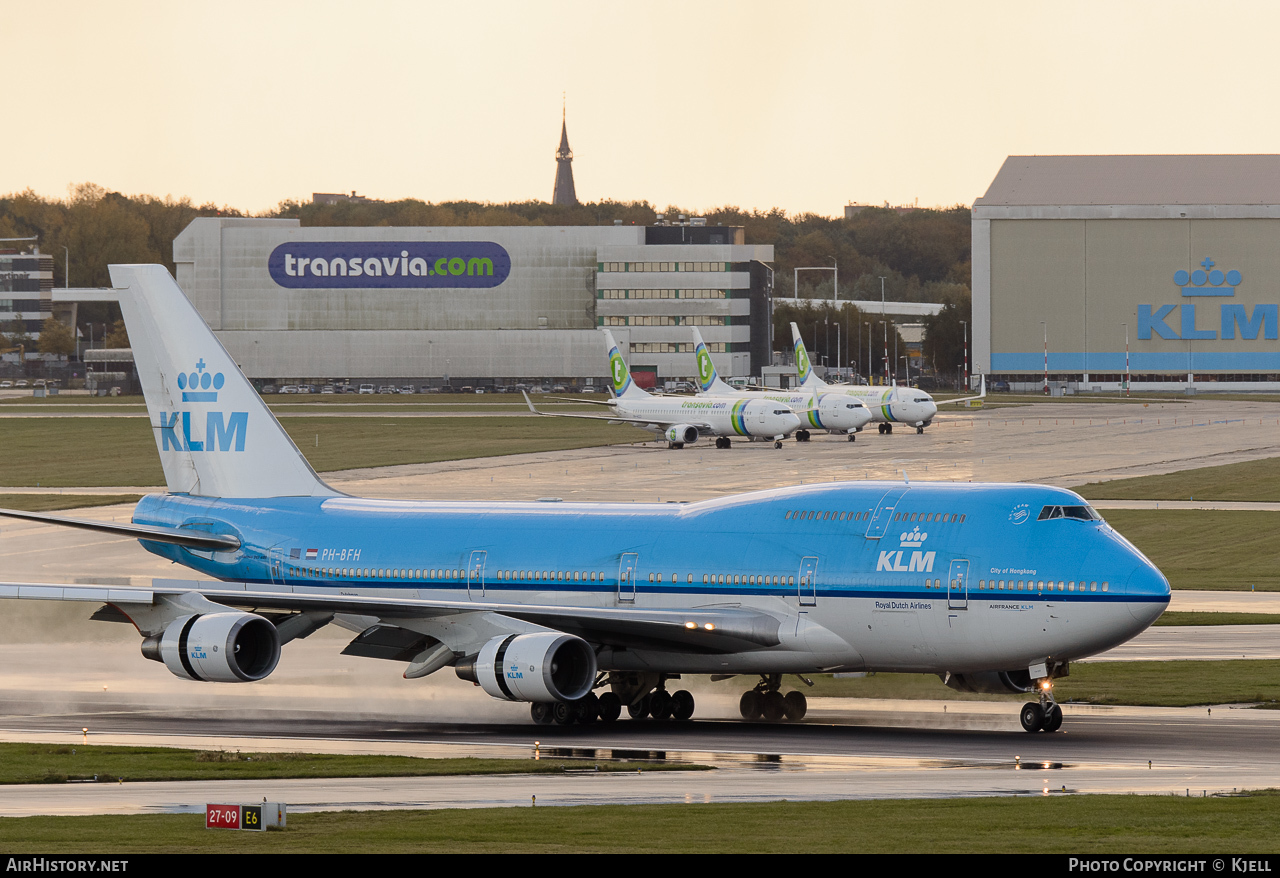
[366,388]
[1000,386]
[22,382]
[408,388]
[6,384]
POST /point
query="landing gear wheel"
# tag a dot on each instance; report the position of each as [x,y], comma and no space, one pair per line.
[660,704]
[639,709]
[564,713]
[777,443]
[795,706]
[1052,719]
[888,428]
[774,706]
[610,707]
[852,436]
[723,442]
[881,427]
[751,705]
[541,713]
[919,429]
[682,705]
[588,707]
[802,435]
[1032,717]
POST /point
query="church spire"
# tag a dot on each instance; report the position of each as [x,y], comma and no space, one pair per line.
[564,193]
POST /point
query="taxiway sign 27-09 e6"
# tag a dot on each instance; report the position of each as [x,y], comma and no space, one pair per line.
[993,587]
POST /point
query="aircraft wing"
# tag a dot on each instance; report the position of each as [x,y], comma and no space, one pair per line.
[981,395]
[703,428]
[706,629]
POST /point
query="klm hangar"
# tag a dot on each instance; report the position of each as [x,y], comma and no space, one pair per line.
[1167,263]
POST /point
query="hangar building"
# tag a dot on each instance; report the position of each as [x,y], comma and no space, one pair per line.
[1178,254]
[475,305]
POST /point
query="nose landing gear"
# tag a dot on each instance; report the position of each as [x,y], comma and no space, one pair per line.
[1044,715]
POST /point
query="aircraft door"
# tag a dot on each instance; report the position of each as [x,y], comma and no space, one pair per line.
[807,581]
[627,577]
[275,565]
[884,512]
[958,585]
[475,574]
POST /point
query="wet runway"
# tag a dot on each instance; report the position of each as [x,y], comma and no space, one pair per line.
[60,673]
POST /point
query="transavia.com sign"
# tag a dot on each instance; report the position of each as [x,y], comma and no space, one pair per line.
[311,265]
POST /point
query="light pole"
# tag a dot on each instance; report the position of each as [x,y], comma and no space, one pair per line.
[835,284]
[1045,324]
[796,292]
[886,351]
[965,374]
[1126,358]
[907,360]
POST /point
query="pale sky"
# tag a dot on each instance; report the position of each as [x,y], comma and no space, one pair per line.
[698,103]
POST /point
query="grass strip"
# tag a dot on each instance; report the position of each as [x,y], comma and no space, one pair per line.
[1059,823]
[57,763]
[1247,481]
[53,452]
[1175,619]
[54,502]
[1149,684]
[1202,549]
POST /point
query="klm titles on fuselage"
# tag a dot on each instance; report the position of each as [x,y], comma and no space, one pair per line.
[223,431]
[1209,282]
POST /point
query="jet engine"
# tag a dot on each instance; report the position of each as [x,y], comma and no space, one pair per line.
[546,666]
[682,434]
[992,682]
[230,647]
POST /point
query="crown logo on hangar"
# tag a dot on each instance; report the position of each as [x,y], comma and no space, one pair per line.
[200,386]
[1219,283]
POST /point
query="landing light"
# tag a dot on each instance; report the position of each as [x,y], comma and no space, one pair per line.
[691,625]
[710,626]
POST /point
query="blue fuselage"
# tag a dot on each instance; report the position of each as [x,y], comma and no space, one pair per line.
[932,576]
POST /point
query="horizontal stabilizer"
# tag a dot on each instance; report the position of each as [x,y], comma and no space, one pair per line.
[191,539]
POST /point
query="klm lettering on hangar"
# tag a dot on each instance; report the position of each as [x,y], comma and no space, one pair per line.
[1209,282]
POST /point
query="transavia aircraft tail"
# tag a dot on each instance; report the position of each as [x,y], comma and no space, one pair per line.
[580,609]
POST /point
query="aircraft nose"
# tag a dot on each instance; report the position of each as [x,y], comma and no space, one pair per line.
[930,409]
[790,422]
[1148,593]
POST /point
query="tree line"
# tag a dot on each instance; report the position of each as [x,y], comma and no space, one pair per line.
[917,256]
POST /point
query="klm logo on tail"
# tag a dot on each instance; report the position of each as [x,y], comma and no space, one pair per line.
[223,431]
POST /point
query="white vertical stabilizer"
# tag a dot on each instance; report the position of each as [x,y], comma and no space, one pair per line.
[215,436]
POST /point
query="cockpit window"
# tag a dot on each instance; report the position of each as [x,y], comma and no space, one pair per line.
[921,399]
[1080,513]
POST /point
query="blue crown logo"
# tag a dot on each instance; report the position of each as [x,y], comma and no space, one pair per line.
[200,383]
[1219,283]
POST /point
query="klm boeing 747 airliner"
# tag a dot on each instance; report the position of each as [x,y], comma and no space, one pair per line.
[992,587]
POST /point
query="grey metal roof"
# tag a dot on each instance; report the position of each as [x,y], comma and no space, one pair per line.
[1135,179]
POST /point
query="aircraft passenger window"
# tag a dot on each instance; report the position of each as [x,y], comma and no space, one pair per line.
[1001,587]
[1104,586]
[791,580]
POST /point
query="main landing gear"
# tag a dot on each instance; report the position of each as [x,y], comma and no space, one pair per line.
[1044,715]
[643,695]
[884,428]
[766,702]
[802,435]
[723,442]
